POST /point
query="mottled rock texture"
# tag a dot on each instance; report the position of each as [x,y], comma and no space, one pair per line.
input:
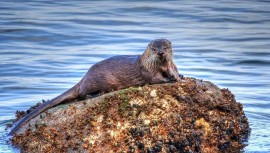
[188,116]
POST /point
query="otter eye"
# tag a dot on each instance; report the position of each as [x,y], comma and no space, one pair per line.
[154,49]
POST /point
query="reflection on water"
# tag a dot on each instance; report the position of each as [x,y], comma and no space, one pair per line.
[47,46]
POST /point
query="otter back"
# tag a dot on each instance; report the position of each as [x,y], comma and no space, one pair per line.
[112,74]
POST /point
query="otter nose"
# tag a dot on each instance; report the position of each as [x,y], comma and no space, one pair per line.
[160,53]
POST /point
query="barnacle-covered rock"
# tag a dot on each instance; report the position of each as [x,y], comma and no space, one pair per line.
[188,116]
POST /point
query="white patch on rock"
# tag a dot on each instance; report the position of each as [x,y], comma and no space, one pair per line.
[153,93]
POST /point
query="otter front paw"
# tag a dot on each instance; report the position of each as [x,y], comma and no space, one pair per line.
[171,80]
[175,78]
[181,76]
[178,77]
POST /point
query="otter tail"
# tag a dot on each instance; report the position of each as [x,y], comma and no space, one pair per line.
[69,95]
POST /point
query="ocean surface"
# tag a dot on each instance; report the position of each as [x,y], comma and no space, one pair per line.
[47,46]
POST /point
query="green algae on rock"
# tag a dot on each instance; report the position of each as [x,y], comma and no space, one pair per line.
[188,116]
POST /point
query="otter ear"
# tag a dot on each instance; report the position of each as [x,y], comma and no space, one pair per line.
[150,44]
[168,42]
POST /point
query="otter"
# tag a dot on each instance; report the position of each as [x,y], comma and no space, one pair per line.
[154,66]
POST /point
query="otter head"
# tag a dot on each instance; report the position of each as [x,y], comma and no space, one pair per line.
[161,49]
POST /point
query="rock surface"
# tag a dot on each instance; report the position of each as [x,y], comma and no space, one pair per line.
[187,116]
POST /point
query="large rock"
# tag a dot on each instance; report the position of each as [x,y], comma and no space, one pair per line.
[187,116]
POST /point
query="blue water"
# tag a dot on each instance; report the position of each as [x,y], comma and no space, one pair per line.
[47,46]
